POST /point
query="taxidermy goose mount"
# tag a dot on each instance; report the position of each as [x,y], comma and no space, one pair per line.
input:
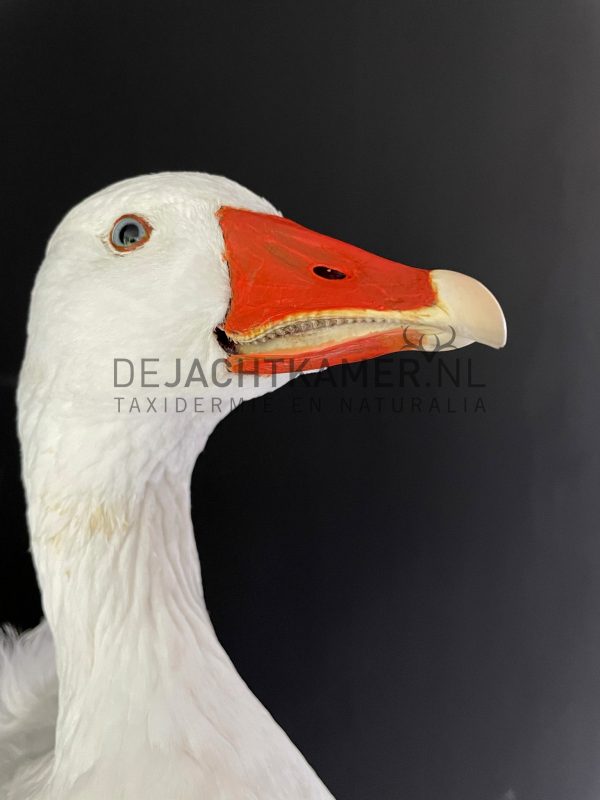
[125,692]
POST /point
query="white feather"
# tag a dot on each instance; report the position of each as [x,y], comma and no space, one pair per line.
[149,706]
[28,709]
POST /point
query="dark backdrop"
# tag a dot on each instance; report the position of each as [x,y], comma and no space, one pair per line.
[420,606]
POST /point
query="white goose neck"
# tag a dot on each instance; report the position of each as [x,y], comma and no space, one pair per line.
[122,592]
[149,703]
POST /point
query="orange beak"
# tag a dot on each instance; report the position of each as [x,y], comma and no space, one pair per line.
[302,301]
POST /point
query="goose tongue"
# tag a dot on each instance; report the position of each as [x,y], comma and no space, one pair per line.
[302,300]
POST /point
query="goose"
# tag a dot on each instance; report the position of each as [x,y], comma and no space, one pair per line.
[124,691]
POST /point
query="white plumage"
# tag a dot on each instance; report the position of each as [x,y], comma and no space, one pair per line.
[28,704]
[150,705]
[132,697]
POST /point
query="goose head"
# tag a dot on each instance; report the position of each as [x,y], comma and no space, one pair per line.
[194,270]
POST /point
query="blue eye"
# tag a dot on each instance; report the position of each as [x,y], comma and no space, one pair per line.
[129,232]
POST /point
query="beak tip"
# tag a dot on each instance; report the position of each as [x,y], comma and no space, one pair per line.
[472,308]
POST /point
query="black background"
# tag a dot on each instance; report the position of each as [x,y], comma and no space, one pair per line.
[414,596]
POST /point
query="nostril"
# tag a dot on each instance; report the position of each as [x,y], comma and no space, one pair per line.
[328,273]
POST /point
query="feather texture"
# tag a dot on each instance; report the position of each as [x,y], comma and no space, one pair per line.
[143,702]
[28,709]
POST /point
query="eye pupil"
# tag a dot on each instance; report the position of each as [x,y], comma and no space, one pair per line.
[328,273]
[130,234]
